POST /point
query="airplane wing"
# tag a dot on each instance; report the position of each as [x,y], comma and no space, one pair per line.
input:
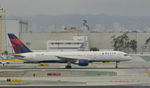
[17,56]
[71,58]
[20,56]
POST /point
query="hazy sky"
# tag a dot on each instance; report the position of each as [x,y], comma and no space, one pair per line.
[59,7]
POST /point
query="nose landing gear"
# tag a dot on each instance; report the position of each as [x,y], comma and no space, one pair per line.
[116,64]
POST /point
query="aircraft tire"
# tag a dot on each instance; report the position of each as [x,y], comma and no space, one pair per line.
[68,67]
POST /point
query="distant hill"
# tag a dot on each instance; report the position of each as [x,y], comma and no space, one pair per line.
[46,23]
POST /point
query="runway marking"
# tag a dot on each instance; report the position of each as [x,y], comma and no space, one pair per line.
[147,71]
[125,81]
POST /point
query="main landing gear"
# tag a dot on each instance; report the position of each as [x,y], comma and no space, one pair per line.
[116,64]
[68,66]
[3,65]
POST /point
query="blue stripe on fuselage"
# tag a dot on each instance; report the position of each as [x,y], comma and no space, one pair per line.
[52,61]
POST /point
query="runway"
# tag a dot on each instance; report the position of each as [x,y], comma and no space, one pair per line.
[133,73]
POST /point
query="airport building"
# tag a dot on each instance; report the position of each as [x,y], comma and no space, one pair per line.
[102,41]
[65,45]
[69,39]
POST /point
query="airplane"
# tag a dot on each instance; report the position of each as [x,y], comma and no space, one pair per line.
[82,47]
[3,60]
[6,60]
[81,58]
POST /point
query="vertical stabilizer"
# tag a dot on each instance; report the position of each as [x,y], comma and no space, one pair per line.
[17,45]
[83,46]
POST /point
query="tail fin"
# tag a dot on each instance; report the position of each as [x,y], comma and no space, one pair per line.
[17,45]
[82,47]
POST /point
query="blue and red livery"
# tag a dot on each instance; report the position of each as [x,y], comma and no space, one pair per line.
[17,45]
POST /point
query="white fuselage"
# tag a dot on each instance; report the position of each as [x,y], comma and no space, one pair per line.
[94,56]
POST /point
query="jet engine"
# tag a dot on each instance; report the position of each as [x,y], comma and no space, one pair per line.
[83,62]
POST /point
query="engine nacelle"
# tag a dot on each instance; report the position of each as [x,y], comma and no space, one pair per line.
[83,62]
